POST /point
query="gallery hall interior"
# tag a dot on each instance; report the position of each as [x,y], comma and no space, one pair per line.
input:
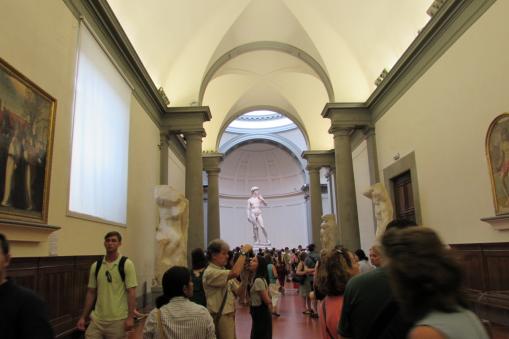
[298,158]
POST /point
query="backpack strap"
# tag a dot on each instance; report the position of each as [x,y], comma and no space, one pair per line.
[121,267]
[98,264]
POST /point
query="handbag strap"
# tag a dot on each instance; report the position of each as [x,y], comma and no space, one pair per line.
[220,312]
[160,324]
[324,309]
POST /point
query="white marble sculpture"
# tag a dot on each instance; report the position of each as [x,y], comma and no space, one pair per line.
[383,206]
[328,233]
[171,234]
[254,215]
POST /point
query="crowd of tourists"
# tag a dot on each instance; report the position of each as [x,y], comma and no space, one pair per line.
[409,287]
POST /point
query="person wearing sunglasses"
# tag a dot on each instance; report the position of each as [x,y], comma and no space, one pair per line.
[113,288]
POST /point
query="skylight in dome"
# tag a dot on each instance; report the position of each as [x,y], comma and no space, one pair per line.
[261,120]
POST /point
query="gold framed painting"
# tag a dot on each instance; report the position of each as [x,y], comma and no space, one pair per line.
[27,116]
[497,152]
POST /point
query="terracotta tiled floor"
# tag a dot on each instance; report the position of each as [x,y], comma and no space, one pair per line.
[292,323]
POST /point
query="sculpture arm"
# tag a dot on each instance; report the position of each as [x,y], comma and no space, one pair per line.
[262,200]
[250,216]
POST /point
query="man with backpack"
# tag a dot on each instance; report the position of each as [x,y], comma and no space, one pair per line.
[112,286]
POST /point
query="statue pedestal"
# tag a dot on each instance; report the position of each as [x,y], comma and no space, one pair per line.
[262,246]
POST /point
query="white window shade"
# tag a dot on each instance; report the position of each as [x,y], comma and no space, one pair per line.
[100,139]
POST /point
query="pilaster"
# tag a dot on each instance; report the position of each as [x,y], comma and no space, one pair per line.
[188,121]
[211,166]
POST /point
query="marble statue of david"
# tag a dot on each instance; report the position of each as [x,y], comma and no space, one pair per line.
[254,215]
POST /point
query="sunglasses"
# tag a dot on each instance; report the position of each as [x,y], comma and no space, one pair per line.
[108,276]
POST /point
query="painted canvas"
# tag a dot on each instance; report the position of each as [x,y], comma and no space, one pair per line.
[497,151]
[27,115]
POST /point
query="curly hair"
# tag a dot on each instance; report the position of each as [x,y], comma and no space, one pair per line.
[334,271]
[424,275]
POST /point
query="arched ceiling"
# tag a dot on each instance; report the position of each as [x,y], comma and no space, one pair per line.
[296,55]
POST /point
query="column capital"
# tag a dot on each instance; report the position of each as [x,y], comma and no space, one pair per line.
[346,117]
[211,162]
[318,159]
[185,119]
[368,132]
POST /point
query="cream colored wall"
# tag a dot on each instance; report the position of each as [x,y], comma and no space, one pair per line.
[444,118]
[364,205]
[176,173]
[45,51]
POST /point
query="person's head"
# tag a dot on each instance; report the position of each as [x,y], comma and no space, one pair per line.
[361,255]
[268,257]
[217,252]
[302,256]
[258,266]
[5,257]
[311,247]
[112,241]
[336,267]
[400,224]
[198,259]
[375,256]
[176,283]
[424,274]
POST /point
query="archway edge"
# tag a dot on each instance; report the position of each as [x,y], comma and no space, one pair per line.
[267,46]
[282,142]
[230,117]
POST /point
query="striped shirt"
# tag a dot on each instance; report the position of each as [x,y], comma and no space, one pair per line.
[181,319]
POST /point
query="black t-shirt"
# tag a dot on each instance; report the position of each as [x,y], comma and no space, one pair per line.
[23,314]
[366,296]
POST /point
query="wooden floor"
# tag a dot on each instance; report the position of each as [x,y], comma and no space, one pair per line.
[292,323]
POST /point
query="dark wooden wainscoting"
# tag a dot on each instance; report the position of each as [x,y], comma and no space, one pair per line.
[487,279]
[60,281]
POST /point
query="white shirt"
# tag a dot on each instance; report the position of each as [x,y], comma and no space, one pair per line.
[181,319]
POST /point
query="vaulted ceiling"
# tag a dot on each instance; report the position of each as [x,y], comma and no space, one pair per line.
[293,56]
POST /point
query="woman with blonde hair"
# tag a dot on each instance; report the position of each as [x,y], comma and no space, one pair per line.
[427,283]
[335,268]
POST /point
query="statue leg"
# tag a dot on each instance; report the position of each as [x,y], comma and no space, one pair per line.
[256,236]
[259,219]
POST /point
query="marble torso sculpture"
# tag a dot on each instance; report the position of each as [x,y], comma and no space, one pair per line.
[383,207]
[171,234]
[328,232]
[254,215]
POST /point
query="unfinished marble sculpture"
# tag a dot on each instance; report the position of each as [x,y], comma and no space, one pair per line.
[171,234]
[328,233]
[383,206]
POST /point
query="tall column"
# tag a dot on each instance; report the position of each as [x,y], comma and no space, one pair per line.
[211,166]
[189,122]
[315,192]
[316,160]
[345,189]
[345,119]
[163,147]
[194,189]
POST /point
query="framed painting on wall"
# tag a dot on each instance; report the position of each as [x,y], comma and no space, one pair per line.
[27,116]
[497,152]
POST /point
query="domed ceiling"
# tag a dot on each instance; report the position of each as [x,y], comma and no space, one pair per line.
[265,165]
[293,56]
